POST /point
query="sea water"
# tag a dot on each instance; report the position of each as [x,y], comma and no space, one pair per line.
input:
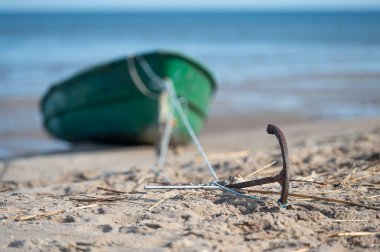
[258,52]
[318,64]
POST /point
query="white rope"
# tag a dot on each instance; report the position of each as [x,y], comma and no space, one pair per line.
[164,143]
[226,189]
[157,80]
[166,84]
[137,80]
[178,107]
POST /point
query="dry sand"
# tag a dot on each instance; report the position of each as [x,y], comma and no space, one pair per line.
[94,199]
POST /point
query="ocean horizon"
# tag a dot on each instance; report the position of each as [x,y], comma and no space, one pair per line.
[309,56]
[306,64]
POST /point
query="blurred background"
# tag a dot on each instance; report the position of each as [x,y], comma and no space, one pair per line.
[298,60]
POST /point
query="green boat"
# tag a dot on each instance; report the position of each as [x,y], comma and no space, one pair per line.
[121,101]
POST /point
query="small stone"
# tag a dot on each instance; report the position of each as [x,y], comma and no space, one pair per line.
[68,219]
[186,217]
[106,228]
[131,229]
[101,210]
[302,216]
[16,244]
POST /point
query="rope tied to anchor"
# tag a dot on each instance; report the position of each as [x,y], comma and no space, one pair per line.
[166,85]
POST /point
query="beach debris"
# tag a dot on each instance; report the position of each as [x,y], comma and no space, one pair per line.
[261,169]
[349,220]
[182,187]
[306,196]
[10,210]
[353,234]
[302,250]
[223,156]
[34,216]
[5,189]
[156,204]
[87,206]
[109,190]
[99,199]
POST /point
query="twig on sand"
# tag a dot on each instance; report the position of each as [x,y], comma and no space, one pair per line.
[141,181]
[316,198]
[349,220]
[261,169]
[100,199]
[88,206]
[10,211]
[228,155]
[308,181]
[156,204]
[118,191]
[373,188]
[335,182]
[353,234]
[370,174]
[350,176]
[31,217]
[370,165]
[373,197]
[302,250]
[5,189]
[109,190]
[346,185]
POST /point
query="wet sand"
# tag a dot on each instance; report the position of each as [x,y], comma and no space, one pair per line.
[93,199]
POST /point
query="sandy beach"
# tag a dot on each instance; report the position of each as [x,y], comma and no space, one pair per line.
[93,199]
[314,73]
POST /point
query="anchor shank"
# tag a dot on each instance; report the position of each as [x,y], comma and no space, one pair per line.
[256,182]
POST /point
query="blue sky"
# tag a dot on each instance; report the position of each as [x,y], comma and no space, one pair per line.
[35,5]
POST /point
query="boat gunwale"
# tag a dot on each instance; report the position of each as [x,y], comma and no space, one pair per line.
[80,74]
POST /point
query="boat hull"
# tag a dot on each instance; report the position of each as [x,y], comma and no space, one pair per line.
[120,101]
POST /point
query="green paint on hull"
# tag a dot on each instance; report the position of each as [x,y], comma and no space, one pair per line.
[107,104]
